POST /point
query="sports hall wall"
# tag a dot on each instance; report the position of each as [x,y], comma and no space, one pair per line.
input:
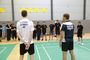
[45,10]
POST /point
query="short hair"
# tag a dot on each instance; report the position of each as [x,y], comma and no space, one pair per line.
[57,20]
[24,13]
[37,22]
[66,16]
[79,21]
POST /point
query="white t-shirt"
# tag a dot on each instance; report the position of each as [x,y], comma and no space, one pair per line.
[25,28]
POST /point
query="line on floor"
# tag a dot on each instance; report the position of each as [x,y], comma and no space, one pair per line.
[38,53]
[4,48]
[46,52]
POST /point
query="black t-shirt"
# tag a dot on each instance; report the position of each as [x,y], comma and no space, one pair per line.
[1,27]
[51,27]
[68,28]
[34,32]
[13,28]
[44,27]
[80,28]
[38,28]
[57,26]
[8,27]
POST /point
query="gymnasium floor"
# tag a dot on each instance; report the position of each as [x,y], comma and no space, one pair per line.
[45,51]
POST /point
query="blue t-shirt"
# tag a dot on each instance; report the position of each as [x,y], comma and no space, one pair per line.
[68,28]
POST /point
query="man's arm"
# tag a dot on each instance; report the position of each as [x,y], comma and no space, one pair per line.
[18,28]
[62,33]
[31,29]
[27,42]
[18,35]
[61,36]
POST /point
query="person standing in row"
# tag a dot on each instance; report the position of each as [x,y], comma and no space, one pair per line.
[38,29]
[34,33]
[13,32]
[44,27]
[51,26]
[0,33]
[57,28]
[80,32]
[8,27]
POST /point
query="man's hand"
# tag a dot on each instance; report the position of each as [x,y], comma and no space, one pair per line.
[27,45]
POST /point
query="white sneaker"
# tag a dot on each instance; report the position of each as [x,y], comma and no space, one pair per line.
[78,42]
[82,44]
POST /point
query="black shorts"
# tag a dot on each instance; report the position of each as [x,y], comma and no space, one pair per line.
[67,46]
[30,50]
[51,33]
[57,32]
[79,34]
[43,33]
[0,33]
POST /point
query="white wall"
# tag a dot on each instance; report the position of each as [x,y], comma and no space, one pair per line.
[7,15]
[73,7]
[88,10]
[33,4]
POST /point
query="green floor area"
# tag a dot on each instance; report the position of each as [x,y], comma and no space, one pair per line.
[52,51]
[5,50]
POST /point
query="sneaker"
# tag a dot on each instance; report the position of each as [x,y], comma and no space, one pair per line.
[82,44]
[78,42]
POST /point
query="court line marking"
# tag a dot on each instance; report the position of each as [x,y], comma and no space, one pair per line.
[38,53]
[46,52]
[48,46]
[4,48]
[85,47]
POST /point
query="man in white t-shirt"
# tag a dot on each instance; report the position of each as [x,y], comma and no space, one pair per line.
[25,30]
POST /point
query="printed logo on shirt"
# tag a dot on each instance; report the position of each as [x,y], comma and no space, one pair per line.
[23,24]
[69,27]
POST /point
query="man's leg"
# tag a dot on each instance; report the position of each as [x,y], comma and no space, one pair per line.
[78,40]
[58,36]
[45,36]
[31,51]
[81,38]
[0,36]
[52,35]
[32,57]
[22,51]
[64,55]
[38,37]
[21,57]
[72,55]
[42,37]
[0,40]
[64,50]
[49,36]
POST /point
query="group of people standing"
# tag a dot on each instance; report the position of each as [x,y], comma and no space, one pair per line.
[10,31]
[40,31]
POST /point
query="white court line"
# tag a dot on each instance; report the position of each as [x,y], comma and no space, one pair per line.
[48,46]
[85,47]
[46,52]
[38,53]
[4,48]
